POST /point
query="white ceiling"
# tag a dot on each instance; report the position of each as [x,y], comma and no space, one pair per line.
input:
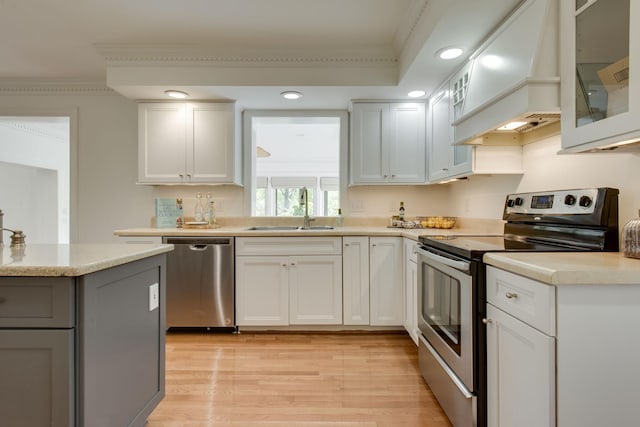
[247,50]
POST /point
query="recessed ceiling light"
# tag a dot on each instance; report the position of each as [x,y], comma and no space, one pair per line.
[449,52]
[416,93]
[176,94]
[291,94]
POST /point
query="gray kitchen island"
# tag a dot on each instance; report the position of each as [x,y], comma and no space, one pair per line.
[81,334]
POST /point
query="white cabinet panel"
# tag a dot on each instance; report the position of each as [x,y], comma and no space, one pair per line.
[187,143]
[387,143]
[262,291]
[520,373]
[600,108]
[355,273]
[315,290]
[386,284]
[411,290]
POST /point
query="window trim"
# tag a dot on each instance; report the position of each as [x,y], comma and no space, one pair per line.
[248,145]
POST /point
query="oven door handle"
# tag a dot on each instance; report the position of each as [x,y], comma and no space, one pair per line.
[458,265]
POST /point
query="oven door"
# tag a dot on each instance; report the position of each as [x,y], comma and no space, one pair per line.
[445,310]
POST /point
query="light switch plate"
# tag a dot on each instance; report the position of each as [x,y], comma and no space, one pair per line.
[154,296]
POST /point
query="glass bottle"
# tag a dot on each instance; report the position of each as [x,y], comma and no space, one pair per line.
[212,213]
[340,219]
[631,238]
[401,211]
[207,210]
[199,209]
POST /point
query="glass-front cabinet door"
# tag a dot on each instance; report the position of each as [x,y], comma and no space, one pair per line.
[600,50]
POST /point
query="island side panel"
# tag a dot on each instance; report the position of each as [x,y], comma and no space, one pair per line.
[121,343]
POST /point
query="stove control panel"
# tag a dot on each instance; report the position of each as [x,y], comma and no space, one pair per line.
[561,202]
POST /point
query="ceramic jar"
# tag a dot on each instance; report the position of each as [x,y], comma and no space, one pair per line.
[631,238]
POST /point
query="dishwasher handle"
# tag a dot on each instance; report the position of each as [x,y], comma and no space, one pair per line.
[198,247]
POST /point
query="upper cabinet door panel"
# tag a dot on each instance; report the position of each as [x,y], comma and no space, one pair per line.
[599,71]
[369,136]
[162,142]
[407,161]
[211,159]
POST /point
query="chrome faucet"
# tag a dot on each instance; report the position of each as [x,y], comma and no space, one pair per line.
[304,200]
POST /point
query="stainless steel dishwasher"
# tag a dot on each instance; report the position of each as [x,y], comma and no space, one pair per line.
[200,282]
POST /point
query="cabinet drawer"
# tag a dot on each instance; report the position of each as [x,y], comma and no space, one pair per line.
[289,245]
[28,302]
[528,300]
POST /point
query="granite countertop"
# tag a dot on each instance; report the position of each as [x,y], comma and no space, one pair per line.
[570,268]
[73,259]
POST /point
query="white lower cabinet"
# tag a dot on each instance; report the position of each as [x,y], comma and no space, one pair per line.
[520,373]
[521,364]
[564,355]
[315,290]
[411,290]
[288,281]
[355,280]
[262,290]
[386,285]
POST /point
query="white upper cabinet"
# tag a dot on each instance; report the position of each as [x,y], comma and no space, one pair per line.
[188,143]
[447,160]
[600,69]
[388,143]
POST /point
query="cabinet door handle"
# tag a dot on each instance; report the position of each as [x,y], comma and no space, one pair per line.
[347,244]
[189,176]
[393,175]
[511,295]
[385,176]
[373,245]
[487,321]
[284,264]
[181,176]
[293,264]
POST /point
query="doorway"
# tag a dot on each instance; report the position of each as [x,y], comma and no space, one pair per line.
[35,176]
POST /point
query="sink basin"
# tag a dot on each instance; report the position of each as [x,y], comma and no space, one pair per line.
[273,228]
[289,228]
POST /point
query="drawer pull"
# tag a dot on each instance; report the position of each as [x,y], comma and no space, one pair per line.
[511,295]
[487,321]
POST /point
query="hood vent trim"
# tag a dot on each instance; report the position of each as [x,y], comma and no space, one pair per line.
[513,76]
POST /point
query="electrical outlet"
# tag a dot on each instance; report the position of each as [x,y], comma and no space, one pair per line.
[154,296]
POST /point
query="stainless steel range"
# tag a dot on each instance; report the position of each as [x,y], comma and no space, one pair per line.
[451,285]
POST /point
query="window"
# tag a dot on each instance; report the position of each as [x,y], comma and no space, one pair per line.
[286,151]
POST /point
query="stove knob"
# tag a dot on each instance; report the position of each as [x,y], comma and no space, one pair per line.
[519,201]
[510,203]
[570,199]
[585,201]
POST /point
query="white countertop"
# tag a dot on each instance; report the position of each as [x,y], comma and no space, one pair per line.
[411,233]
[570,268]
[71,260]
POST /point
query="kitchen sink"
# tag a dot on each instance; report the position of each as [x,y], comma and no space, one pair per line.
[272,228]
[290,228]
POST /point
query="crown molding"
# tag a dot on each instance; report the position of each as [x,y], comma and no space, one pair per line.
[407,28]
[145,54]
[54,88]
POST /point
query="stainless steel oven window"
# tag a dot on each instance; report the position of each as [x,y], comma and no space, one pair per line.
[441,305]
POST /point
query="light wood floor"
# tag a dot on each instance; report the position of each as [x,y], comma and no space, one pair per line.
[294,379]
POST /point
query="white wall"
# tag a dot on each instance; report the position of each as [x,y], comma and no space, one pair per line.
[545,170]
[106,196]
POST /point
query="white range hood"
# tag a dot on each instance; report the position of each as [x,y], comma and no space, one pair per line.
[513,76]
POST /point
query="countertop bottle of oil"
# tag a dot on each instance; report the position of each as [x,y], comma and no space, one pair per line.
[401,211]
